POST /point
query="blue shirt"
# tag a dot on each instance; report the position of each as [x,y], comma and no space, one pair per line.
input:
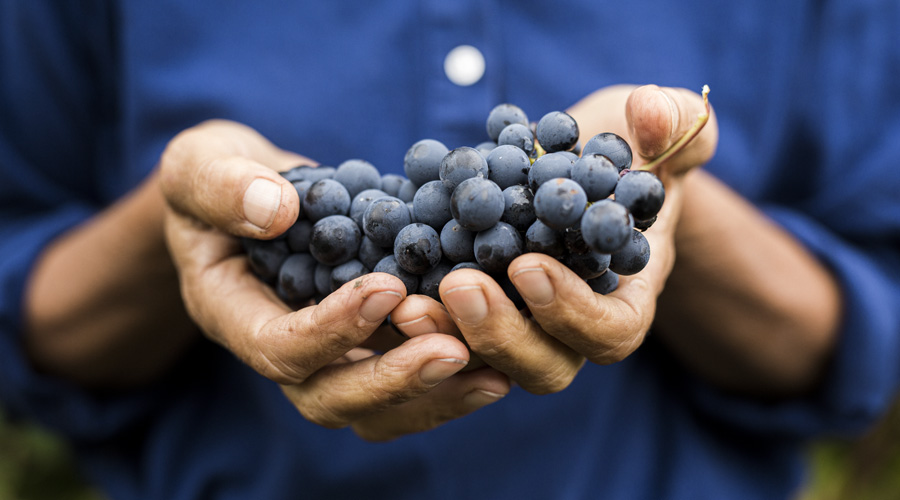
[809,110]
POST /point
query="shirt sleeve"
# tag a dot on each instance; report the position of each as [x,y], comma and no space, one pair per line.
[848,217]
[51,113]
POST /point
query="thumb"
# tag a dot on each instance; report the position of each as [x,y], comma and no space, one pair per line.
[658,117]
[211,173]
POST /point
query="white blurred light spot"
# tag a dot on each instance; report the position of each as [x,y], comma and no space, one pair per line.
[464,65]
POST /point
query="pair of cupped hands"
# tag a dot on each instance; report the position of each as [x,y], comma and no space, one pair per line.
[337,361]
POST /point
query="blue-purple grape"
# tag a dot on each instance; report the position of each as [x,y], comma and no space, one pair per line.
[266,256]
[517,135]
[422,162]
[326,197]
[641,192]
[417,248]
[357,176]
[308,173]
[550,166]
[296,279]
[361,202]
[477,204]
[460,164]
[432,204]
[633,257]
[597,175]
[541,238]
[518,210]
[611,146]
[606,226]
[605,283]
[384,218]
[557,131]
[497,246]
[371,254]
[407,190]
[298,235]
[588,265]
[559,203]
[335,240]
[502,116]
[508,166]
[457,243]
[390,184]
[429,283]
[346,272]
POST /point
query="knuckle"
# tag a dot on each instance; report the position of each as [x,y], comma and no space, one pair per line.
[554,380]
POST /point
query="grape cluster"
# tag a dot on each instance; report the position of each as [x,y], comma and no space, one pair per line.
[525,190]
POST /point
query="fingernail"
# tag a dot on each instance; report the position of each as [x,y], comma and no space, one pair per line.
[438,370]
[467,304]
[262,199]
[481,397]
[377,306]
[418,326]
[534,285]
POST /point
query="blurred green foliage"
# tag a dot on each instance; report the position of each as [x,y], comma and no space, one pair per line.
[35,465]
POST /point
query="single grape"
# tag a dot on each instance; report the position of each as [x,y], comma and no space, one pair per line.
[518,209]
[605,283]
[266,256]
[574,240]
[357,176]
[559,203]
[502,116]
[326,197]
[557,131]
[497,246]
[460,164]
[430,282]
[389,265]
[422,162]
[477,204]
[597,175]
[633,257]
[346,272]
[296,279]
[362,201]
[432,204]
[412,212]
[541,238]
[588,265]
[371,254]
[550,166]
[407,190]
[384,218]
[611,146]
[517,135]
[335,240]
[606,226]
[298,235]
[641,192]
[508,166]
[417,248]
[457,242]
[390,184]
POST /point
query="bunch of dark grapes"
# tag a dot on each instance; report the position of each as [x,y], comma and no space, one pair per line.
[525,190]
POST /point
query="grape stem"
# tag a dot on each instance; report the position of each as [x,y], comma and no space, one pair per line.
[688,136]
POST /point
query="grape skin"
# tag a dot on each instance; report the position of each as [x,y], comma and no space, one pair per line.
[335,240]
[389,265]
[641,192]
[611,146]
[557,131]
[508,166]
[633,257]
[559,203]
[417,248]
[502,116]
[477,204]
[422,162]
[606,226]
[384,218]
[457,243]
[517,135]
[326,197]
[496,247]
[357,176]
[431,204]
[597,175]
[460,164]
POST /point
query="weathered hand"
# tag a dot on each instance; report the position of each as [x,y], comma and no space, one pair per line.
[220,180]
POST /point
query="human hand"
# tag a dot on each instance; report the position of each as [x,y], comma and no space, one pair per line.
[220,181]
[567,322]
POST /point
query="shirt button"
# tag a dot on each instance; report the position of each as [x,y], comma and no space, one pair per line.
[464,65]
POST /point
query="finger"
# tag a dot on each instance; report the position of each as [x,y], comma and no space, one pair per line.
[659,116]
[453,398]
[503,337]
[339,394]
[419,315]
[216,173]
[604,328]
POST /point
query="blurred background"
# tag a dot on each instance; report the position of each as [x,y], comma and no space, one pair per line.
[35,465]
